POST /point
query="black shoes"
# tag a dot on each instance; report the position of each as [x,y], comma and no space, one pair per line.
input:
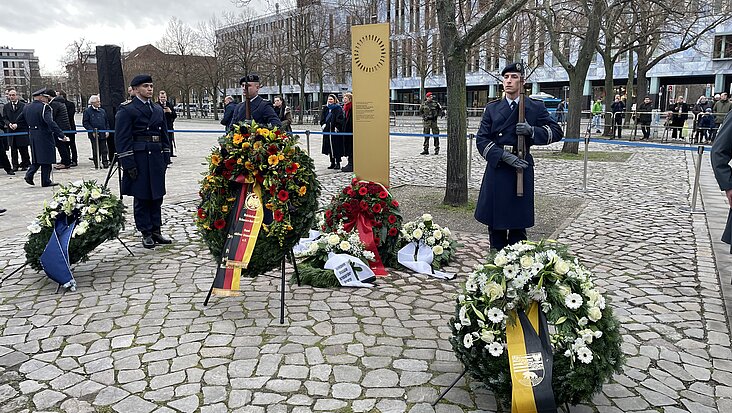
[2,210]
[425,152]
[29,181]
[106,165]
[10,171]
[147,241]
[49,184]
[437,151]
[158,238]
[347,168]
[332,165]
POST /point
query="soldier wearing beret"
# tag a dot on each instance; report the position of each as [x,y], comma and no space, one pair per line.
[143,150]
[506,214]
[721,157]
[44,133]
[260,110]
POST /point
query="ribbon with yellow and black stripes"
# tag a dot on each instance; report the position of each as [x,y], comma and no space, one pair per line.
[530,358]
[242,235]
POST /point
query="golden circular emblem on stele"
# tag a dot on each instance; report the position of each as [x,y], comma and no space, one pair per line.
[369,53]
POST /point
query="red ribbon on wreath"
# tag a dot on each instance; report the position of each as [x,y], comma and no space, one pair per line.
[364,225]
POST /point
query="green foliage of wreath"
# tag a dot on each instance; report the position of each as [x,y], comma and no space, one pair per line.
[316,277]
[290,189]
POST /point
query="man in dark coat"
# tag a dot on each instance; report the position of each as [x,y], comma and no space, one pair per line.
[506,214]
[721,157]
[284,113]
[15,123]
[260,110]
[61,117]
[4,145]
[229,107]
[681,114]
[96,118]
[143,149]
[644,116]
[170,116]
[44,133]
[71,111]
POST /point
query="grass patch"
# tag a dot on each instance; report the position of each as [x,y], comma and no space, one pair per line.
[469,207]
[595,156]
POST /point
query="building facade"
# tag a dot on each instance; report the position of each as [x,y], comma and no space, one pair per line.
[20,71]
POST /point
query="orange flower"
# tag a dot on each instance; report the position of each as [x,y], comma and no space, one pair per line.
[249,165]
[246,145]
[302,190]
[281,156]
[215,159]
[238,137]
[273,160]
[240,161]
[257,145]
[225,208]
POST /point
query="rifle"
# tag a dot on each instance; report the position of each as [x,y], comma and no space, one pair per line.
[247,111]
[521,141]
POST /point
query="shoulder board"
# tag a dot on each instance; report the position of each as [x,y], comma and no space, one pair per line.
[536,99]
[126,102]
[495,101]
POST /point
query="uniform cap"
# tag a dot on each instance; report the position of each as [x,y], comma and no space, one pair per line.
[250,78]
[44,92]
[140,79]
[428,94]
[513,68]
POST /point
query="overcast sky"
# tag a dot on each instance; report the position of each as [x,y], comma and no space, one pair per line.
[49,26]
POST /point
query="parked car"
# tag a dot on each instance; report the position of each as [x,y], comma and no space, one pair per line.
[550,102]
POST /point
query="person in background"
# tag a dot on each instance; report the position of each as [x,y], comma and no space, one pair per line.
[96,118]
[15,123]
[71,111]
[560,112]
[170,116]
[430,110]
[721,158]
[644,117]
[707,127]
[331,120]
[597,115]
[698,110]
[680,115]
[44,132]
[61,117]
[618,110]
[229,107]
[4,145]
[283,112]
[348,128]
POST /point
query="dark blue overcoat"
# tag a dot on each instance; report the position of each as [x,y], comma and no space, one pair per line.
[43,132]
[133,123]
[498,206]
[261,110]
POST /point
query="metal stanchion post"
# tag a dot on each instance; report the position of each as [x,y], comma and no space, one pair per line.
[586,156]
[97,158]
[471,136]
[307,140]
[697,173]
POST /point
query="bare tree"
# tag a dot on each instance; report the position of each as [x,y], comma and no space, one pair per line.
[179,41]
[460,28]
[216,62]
[76,58]
[239,38]
[573,23]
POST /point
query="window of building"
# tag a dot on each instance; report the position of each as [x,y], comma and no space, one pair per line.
[722,46]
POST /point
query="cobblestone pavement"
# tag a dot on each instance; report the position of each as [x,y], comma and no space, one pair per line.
[135,337]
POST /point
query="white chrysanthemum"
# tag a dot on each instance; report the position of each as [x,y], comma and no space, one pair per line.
[463,315]
[496,315]
[468,340]
[344,245]
[573,301]
[510,271]
[53,204]
[584,355]
[369,255]
[493,290]
[500,260]
[430,241]
[96,193]
[458,326]
[495,348]
[417,233]
[34,228]
[537,294]
[487,336]
[92,209]
[546,306]
[561,266]
[471,285]
[594,314]
[103,211]
[438,250]
[333,239]
[426,217]
[81,228]
[526,261]
[445,244]
[437,234]
[97,219]
[446,232]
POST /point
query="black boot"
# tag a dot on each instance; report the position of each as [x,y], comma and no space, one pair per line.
[332,163]
[348,167]
[147,241]
[337,166]
[158,238]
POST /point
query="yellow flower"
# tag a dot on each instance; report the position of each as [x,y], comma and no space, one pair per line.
[239,161]
[302,190]
[225,208]
[273,160]
[249,165]
[238,137]
[232,199]
[215,159]
[257,145]
[269,206]
[246,145]
[281,156]
[210,178]
[288,227]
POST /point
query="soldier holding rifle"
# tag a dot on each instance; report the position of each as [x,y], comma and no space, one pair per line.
[509,170]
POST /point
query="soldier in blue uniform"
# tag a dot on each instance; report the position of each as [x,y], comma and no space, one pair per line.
[260,110]
[143,150]
[506,214]
[44,133]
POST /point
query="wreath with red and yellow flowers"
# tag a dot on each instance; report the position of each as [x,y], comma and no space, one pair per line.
[270,158]
[377,205]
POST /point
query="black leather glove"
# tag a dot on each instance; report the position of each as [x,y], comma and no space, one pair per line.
[514,160]
[132,173]
[524,129]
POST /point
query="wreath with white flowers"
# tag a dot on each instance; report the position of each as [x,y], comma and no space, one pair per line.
[439,239]
[100,217]
[315,256]
[584,333]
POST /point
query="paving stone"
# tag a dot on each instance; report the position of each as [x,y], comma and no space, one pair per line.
[134,404]
[47,398]
[380,378]
[110,395]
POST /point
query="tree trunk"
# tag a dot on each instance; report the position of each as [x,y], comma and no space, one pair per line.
[456,192]
[574,113]
[422,80]
[609,95]
[629,90]
[302,93]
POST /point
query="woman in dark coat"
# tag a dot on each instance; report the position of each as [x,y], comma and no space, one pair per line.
[348,128]
[331,120]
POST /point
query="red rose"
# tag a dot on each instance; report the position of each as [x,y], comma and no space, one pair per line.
[229,163]
[376,208]
[350,192]
[322,228]
[378,224]
[364,205]
[363,191]
[226,174]
[291,168]
[392,219]
[219,224]
[392,231]
[272,149]
[278,215]
[394,203]
[354,181]
[377,240]
[278,132]
[345,191]
[283,195]
[201,214]
[328,213]
[383,194]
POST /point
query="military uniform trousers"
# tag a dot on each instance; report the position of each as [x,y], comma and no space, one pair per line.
[431,128]
[148,215]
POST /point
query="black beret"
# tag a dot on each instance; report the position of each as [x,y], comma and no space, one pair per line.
[250,78]
[140,79]
[513,68]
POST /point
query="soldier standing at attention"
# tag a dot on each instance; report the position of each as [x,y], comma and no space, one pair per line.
[260,110]
[430,110]
[506,214]
[143,148]
[44,132]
